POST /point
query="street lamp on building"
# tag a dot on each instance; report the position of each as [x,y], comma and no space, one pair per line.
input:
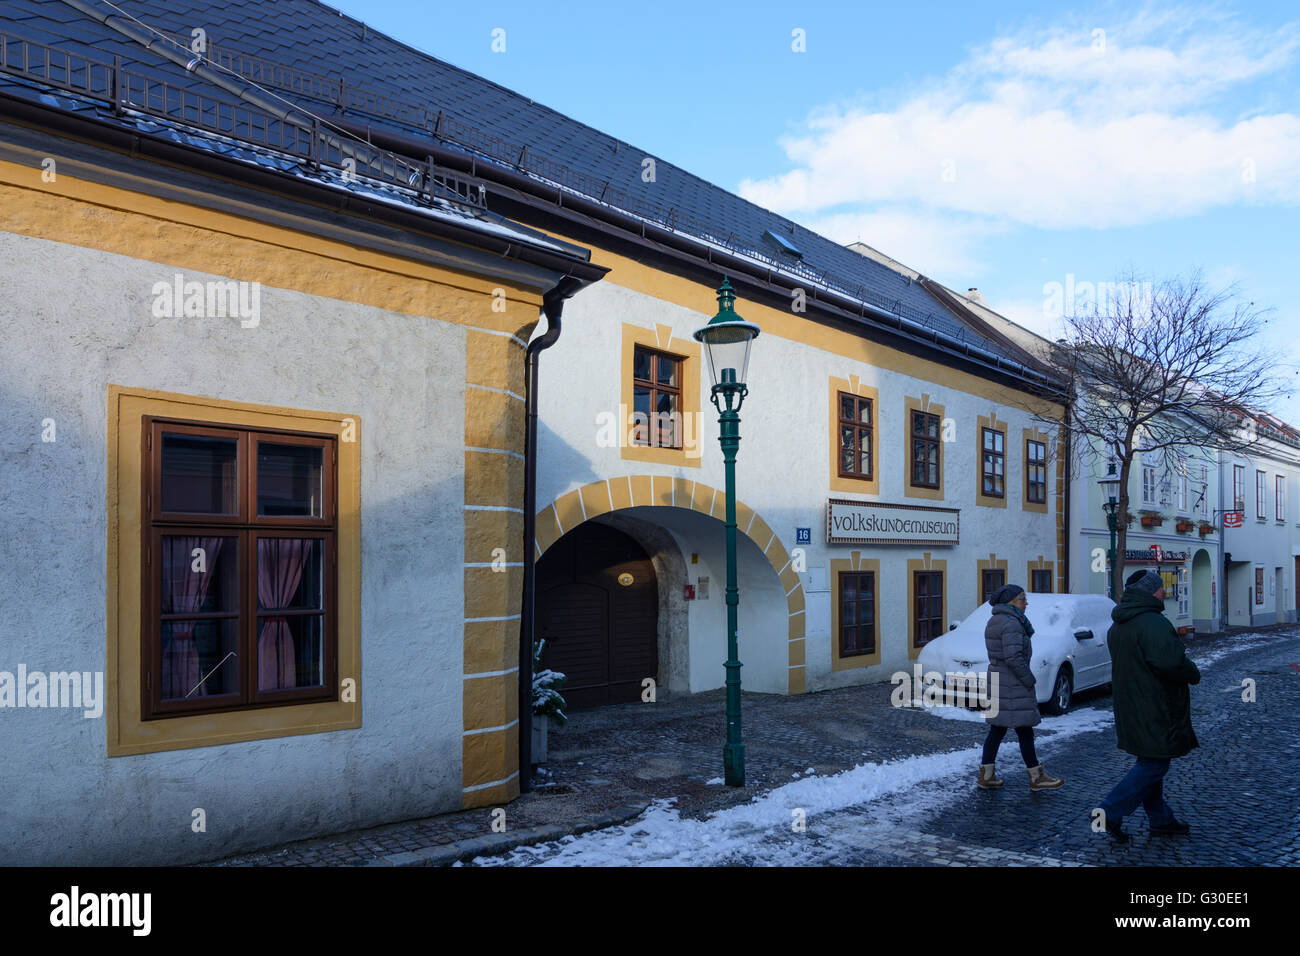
[1109,489]
[726,346]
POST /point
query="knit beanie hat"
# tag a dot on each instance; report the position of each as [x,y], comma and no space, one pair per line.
[1006,594]
[1145,580]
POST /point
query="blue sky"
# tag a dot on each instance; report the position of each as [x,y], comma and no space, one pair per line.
[1003,145]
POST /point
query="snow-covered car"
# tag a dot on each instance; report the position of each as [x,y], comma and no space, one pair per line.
[1069,646]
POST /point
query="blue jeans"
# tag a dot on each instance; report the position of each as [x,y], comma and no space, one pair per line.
[1143,784]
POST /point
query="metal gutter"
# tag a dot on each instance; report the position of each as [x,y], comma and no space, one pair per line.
[112,135]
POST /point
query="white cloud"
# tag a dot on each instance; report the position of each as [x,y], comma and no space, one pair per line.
[1060,128]
[931,243]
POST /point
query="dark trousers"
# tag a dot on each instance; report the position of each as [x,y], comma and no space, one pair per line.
[1144,784]
[994,740]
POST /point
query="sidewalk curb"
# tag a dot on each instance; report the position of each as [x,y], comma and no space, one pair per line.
[498,843]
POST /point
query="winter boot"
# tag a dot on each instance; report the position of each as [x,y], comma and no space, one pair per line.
[988,780]
[1172,828]
[1115,830]
[1040,779]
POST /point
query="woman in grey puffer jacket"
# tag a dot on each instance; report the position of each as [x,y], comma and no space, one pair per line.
[1007,637]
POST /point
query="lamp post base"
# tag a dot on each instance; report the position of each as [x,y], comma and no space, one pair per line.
[733,762]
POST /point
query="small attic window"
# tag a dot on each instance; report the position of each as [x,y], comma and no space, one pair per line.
[782,243]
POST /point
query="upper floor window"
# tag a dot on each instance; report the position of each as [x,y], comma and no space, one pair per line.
[239,541]
[1205,492]
[1036,472]
[1239,488]
[1182,487]
[1279,497]
[656,398]
[855,436]
[925,450]
[994,459]
[1150,489]
[1261,492]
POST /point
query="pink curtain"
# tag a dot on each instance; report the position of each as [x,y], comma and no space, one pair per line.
[184,591]
[280,563]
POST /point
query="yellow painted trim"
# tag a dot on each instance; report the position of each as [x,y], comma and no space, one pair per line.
[491,701]
[924,563]
[1039,565]
[1028,435]
[797,683]
[492,796]
[990,421]
[490,757]
[854,486]
[992,563]
[127,733]
[191,237]
[660,339]
[491,646]
[922,404]
[855,562]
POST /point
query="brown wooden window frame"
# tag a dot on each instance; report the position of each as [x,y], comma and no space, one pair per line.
[642,434]
[866,586]
[1035,473]
[862,434]
[985,573]
[932,442]
[1261,494]
[1239,488]
[247,528]
[934,607]
[1037,575]
[989,457]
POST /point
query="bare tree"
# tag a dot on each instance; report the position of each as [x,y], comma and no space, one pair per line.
[1163,368]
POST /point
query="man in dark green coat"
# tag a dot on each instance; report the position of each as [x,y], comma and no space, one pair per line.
[1150,674]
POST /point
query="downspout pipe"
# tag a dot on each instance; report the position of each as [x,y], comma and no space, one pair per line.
[1067,480]
[552,308]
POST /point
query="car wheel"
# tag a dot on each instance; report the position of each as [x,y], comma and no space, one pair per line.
[1062,693]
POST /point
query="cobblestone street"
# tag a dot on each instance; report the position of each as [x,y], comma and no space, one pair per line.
[1238,790]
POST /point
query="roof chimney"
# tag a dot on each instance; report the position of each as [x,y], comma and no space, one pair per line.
[975,295]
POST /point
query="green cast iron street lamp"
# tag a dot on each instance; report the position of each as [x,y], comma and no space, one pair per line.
[726,344]
[1109,488]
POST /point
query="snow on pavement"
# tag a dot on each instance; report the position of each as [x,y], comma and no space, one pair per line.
[760,832]
[1204,656]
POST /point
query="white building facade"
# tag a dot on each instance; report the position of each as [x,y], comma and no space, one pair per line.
[1262,548]
[865,527]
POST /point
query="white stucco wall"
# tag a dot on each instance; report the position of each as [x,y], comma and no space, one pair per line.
[782,467]
[76,320]
[1264,543]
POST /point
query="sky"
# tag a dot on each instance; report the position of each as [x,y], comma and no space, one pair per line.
[1021,148]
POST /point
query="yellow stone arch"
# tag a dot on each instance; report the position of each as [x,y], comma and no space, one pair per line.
[640,491]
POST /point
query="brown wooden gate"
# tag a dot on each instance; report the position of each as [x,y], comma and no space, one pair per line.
[598,609]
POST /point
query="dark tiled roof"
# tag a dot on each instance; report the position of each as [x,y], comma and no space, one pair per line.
[478,116]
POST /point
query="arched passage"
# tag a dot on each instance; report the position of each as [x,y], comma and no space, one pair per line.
[1202,574]
[649,491]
